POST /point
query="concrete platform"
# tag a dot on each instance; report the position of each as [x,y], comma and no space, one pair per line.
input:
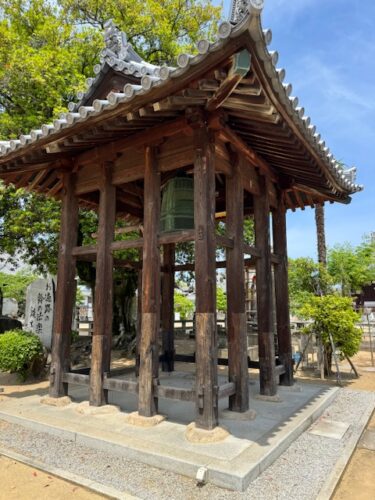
[253,443]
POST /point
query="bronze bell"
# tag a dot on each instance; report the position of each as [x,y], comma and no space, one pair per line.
[177,204]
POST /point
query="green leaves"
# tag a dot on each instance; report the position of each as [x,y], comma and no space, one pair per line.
[335,315]
[29,227]
[14,286]
[352,267]
[158,29]
[348,269]
[47,51]
[183,305]
[19,351]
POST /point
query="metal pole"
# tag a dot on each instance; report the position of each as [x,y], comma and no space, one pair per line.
[338,375]
[370,337]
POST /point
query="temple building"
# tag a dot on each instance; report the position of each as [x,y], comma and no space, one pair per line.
[225,130]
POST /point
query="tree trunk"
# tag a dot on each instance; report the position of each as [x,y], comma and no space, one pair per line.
[322,259]
[328,360]
[321,235]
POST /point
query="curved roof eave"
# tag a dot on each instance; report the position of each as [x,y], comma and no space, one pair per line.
[153,80]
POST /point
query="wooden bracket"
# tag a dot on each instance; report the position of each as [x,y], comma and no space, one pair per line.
[241,63]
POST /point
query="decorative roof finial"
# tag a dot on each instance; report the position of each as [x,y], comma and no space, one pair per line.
[115,40]
[116,44]
[240,8]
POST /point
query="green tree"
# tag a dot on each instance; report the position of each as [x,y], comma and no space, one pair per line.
[48,50]
[29,226]
[221,300]
[352,267]
[183,304]
[158,29]
[14,286]
[306,278]
[44,61]
[334,315]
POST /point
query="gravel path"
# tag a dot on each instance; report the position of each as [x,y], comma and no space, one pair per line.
[298,473]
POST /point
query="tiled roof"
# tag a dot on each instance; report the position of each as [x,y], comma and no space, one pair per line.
[119,55]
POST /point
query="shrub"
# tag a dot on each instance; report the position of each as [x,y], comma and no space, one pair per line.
[333,314]
[21,352]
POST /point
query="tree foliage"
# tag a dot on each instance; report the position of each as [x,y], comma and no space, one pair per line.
[221,300]
[44,61]
[48,48]
[14,286]
[29,226]
[158,29]
[183,305]
[334,314]
[306,278]
[21,352]
[352,267]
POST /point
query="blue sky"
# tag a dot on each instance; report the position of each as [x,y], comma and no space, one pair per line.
[328,50]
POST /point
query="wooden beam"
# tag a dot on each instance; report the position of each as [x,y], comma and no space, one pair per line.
[224,241]
[148,136]
[299,199]
[281,293]
[205,279]
[176,237]
[102,335]
[120,385]
[249,176]
[62,324]
[37,179]
[264,292]
[149,346]
[228,390]
[236,314]
[224,91]
[176,393]
[163,239]
[126,244]
[251,250]
[219,265]
[227,135]
[167,308]
[84,251]
[76,379]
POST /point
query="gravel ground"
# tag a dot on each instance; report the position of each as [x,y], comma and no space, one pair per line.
[298,473]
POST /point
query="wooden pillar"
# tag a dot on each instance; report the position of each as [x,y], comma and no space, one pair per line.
[139,318]
[205,279]
[65,293]
[282,293]
[236,312]
[149,346]
[266,344]
[103,306]
[167,308]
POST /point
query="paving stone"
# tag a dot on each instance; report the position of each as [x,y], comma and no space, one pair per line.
[368,440]
[329,428]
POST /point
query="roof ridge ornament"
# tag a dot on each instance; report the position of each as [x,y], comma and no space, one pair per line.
[117,45]
[240,8]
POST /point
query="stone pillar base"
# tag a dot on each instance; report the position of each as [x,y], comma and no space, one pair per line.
[270,399]
[236,415]
[84,408]
[140,421]
[201,436]
[58,402]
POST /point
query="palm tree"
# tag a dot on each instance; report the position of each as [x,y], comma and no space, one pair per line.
[321,234]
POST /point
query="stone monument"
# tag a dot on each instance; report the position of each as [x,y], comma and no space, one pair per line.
[40,301]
